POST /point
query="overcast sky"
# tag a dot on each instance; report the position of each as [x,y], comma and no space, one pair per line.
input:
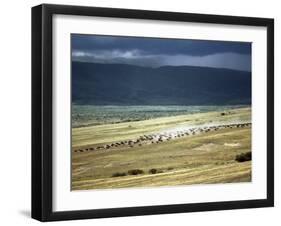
[155,52]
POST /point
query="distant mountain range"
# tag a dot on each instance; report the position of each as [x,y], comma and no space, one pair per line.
[121,84]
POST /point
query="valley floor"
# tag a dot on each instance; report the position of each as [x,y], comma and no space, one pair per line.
[179,150]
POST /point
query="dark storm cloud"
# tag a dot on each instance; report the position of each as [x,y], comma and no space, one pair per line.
[155,52]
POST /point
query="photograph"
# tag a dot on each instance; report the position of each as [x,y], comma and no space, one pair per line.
[140,112]
[151,112]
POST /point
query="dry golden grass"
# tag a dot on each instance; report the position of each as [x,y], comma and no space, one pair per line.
[103,134]
[203,158]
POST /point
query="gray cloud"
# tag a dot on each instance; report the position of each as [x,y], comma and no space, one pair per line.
[230,60]
[158,45]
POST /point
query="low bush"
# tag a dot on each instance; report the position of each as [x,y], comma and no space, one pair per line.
[153,171]
[119,174]
[135,172]
[247,156]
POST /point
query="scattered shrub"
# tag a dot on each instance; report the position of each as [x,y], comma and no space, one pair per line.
[135,172]
[247,156]
[119,174]
[170,168]
[153,171]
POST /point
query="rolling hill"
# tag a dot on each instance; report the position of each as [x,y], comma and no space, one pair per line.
[121,84]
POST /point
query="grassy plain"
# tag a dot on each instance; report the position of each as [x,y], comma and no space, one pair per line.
[207,157]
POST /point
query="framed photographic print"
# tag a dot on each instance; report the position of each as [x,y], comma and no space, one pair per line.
[145,112]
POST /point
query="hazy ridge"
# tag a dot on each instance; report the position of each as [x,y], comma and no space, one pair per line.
[121,84]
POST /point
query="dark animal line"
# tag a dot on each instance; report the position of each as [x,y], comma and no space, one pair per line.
[163,137]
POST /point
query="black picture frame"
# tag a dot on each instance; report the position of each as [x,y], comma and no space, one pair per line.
[42,111]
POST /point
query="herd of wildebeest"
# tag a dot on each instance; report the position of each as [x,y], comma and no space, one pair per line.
[162,137]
